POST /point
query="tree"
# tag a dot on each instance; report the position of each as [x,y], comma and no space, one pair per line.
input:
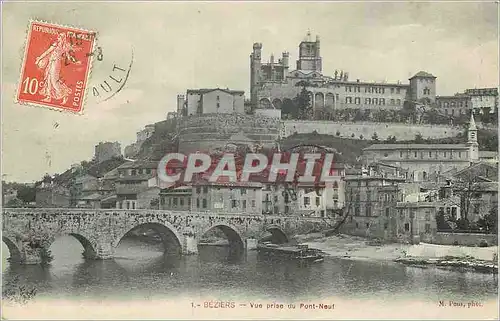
[391,139]
[441,222]
[26,194]
[303,103]
[466,186]
[289,109]
[419,139]
[15,202]
[490,221]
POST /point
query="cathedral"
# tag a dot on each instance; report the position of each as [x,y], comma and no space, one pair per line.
[272,83]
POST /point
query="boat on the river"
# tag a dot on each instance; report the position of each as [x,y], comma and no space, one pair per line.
[300,252]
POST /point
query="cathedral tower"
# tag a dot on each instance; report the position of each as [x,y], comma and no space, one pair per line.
[309,55]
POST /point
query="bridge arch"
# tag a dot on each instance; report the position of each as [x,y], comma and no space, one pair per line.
[89,247]
[15,252]
[278,236]
[170,237]
[236,241]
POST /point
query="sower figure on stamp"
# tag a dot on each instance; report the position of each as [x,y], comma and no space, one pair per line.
[53,87]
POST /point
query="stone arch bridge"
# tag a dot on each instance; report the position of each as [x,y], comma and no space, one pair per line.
[27,232]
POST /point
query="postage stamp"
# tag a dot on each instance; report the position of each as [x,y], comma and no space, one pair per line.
[56,66]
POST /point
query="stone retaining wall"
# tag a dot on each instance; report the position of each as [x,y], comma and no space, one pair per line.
[468,239]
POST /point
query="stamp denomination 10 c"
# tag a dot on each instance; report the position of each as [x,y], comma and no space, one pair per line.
[56,66]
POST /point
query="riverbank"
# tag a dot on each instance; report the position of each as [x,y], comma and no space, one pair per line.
[479,259]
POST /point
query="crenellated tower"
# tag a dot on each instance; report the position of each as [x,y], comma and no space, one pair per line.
[255,68]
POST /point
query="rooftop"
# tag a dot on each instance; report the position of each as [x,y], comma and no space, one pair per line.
[139,164]
[207,90]
[487,154]
[414,146]
[423,74]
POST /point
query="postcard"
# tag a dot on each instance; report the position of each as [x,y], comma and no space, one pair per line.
[249,160]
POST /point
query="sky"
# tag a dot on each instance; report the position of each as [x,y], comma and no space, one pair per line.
[177,46]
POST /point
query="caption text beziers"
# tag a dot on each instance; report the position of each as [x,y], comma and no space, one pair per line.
[277,306]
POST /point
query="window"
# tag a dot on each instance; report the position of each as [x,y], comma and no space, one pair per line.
[387,211]
[382,101]
[357,225]
[368,211]
[234,203]
[392,101]
[375,101]
[198,203]
[356,211]
[275,198]
[148,171]
[398,90]
[205,189]
[181,201]
[317,201]
[253,203]
[476,208]
[218,105]
[175,201]
[427,228]
[398,101]
[392,90]
[348,100]
[218,97]
[204,203]
[430,154]
[357,100]
[198,190]
[367,225]
[368,101]
[306,201]
[243,191]
[133,172]
[386,225]
[415,154]
[244,204]
[400,154]
[407,227]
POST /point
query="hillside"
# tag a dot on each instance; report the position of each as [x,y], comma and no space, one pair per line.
[161,142]
[164,140]
[350,149]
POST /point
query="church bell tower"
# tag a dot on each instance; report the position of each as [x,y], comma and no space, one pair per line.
[472,140]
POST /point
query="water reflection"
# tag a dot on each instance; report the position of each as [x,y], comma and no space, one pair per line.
[144,271]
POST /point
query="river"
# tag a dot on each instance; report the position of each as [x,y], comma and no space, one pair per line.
[141,271]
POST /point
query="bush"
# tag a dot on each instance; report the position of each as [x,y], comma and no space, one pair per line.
[483,243]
